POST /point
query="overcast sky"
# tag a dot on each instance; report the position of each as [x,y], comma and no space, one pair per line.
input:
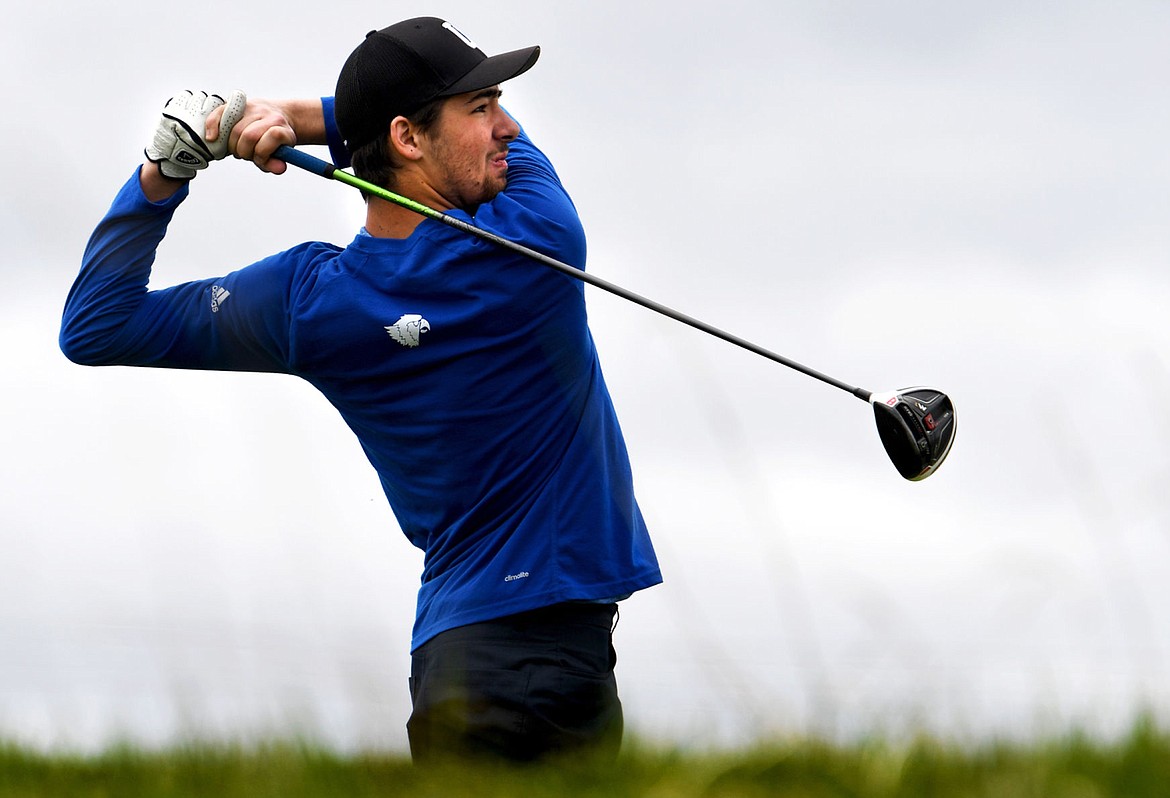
[971,196]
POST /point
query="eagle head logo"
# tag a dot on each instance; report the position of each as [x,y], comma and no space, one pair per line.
[409,329]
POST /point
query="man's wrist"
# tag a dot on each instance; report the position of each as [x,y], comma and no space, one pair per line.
[156,186]
[306,118]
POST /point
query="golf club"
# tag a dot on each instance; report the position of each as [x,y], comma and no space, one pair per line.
[916,425]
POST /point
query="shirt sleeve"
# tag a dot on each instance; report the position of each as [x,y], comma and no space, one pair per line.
[337,149]
[238,322]
[535,209]
[547,219]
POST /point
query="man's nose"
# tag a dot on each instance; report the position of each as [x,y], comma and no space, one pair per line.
[507,129]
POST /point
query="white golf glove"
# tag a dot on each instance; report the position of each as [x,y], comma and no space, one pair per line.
[178,146]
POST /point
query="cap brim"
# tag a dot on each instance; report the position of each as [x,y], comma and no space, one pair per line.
[494,70]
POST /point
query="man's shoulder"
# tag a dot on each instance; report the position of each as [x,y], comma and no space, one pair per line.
[307,255]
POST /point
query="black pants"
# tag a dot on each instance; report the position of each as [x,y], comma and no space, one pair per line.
[518,688]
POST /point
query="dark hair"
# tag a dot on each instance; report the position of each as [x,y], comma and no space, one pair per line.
[375,162]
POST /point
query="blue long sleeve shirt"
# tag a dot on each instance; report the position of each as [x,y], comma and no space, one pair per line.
[467,373]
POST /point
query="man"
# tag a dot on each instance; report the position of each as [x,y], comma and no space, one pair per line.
[468,374]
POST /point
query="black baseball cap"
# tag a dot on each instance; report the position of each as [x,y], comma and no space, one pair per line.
[399,69]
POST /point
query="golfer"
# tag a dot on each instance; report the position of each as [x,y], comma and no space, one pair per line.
[467,373]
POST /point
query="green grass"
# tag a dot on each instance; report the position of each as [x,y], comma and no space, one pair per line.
[1074,767]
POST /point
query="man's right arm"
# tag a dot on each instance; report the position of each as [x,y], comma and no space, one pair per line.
[268,124]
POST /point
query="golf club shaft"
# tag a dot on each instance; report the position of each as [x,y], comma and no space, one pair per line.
[317,166]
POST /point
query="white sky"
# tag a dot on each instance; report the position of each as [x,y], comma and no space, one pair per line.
[974,197]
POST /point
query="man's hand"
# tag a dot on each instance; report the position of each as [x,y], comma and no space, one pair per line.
[180,146]
[266,125]
[262,128]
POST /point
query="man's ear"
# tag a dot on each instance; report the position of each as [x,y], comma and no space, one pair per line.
[404,139]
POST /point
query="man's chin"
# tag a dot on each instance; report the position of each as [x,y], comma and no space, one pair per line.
[488,192]
[493,190]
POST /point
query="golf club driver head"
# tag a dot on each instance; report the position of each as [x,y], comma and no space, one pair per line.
[917,427]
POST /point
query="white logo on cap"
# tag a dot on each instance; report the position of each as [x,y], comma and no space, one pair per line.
[461,35]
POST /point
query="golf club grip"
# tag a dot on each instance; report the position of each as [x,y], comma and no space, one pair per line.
[317,166]
[304,161]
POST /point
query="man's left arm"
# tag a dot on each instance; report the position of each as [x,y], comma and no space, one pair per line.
[112,318]
[535,209]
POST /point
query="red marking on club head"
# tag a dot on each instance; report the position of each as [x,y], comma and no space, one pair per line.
[893,400]
[929,421]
